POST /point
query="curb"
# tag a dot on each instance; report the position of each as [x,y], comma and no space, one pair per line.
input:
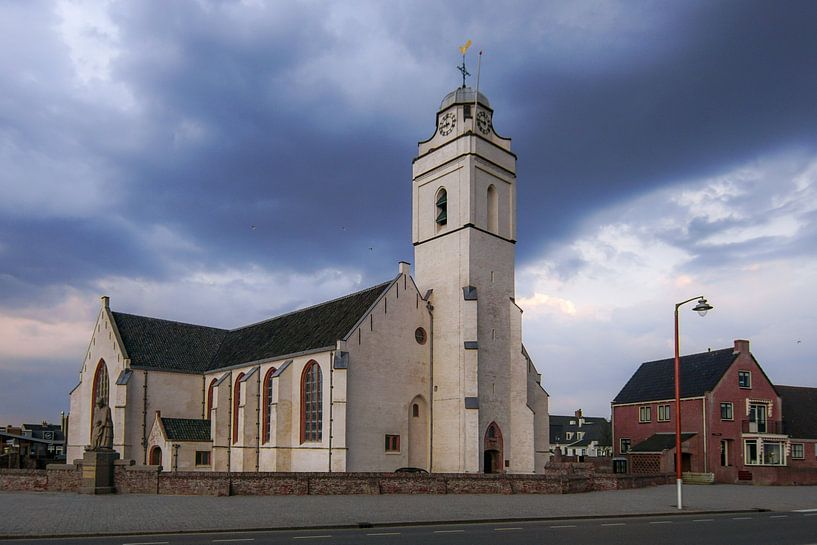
[365,524]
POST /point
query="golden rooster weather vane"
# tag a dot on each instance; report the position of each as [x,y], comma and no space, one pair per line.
[463,49]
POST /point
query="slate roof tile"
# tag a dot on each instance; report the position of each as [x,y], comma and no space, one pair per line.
[659,442]
[655,380]
[799,411]
[175,346]
[186,429]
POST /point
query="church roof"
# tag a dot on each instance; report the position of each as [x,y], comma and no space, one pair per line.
[174,346]
[463,95]
[655,380]
[186,429]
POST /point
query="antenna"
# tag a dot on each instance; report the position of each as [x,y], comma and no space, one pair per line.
[465,72]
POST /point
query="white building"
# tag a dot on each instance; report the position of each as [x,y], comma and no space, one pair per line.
[427,372]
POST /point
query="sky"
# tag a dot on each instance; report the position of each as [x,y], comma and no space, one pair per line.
[223,162]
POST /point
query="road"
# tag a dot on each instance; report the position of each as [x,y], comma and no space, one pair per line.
[755,528]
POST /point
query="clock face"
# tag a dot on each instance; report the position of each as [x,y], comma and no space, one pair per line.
[447,123]
[484,122]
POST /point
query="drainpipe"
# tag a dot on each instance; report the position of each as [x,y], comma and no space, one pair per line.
[176,457]
[203,396]
[145,419]
[331,402]
[430,309]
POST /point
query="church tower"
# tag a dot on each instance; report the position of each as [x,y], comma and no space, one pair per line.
[464,235]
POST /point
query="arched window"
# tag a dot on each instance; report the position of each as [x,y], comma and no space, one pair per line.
[210,399]
[493,209]
[267,405]
[99,389]
[442,207]
[415,410]
[236,404]
[311,403]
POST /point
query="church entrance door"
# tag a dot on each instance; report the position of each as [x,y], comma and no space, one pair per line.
[492,459]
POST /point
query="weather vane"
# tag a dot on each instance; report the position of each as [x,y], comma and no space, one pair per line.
[465,72]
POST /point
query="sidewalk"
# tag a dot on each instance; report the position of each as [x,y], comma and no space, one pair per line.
[46,514]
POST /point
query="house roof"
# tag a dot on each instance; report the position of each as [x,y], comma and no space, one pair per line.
[656,379]
[659,442]
[799,410]
[186,429]
[175,346]
[595,428]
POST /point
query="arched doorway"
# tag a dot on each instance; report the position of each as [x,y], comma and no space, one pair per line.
[418,433]
[492,458]
[156,456]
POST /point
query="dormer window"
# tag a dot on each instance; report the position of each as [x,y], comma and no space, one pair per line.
[442,207]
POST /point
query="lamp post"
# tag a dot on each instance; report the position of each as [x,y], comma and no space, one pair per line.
[701,308]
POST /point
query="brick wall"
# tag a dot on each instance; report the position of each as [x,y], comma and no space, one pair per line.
[23,479]
[63,477]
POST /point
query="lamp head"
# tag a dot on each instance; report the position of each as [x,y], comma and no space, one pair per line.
[702,307]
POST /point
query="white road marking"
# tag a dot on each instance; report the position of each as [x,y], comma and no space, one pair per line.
[311,537]
[385,534]
[449,531]
[233,540]
[149,543]
[702,520]
[810,514]
[563,526]
[778,516]
[661,522]
[506,529]
[614,524]
[805,510]
[741,518]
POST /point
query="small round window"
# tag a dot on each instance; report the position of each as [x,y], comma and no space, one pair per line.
[420,335]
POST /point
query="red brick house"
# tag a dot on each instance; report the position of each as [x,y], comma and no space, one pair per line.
[731,419]
[800,410]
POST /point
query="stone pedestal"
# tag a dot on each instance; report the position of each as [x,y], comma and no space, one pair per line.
[97,471]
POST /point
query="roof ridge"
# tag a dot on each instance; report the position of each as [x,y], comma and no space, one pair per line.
[341,298]
[731,349]
[167,321]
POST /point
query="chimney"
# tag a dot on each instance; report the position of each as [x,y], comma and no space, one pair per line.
[741,346]
[405,268]
[106,301]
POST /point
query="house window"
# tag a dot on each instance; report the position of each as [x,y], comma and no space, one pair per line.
[266,405]
[768,453]
[579,435]
[568,435]
[644,414]
[727,411]
[392,443]
[744,379]
[624,445]
[202,457]
[798,451]
[312,403]
[442,207]
[663,413]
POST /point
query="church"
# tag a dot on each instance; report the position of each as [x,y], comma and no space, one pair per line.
[426,371]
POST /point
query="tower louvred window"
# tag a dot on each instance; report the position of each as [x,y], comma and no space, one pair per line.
[442,207]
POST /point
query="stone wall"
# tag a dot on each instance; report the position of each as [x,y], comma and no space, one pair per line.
[133,479]
[771,475]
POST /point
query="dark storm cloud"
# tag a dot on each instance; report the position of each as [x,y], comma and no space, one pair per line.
[742,82]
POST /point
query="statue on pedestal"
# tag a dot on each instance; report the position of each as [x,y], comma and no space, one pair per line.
[102,433]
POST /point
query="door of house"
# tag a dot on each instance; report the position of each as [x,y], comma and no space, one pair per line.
[757,418]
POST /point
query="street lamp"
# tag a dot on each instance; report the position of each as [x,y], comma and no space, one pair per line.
[701,308]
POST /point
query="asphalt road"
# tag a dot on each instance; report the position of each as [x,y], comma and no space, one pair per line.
[759,528]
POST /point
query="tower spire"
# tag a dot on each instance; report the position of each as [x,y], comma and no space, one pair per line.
[461,68]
